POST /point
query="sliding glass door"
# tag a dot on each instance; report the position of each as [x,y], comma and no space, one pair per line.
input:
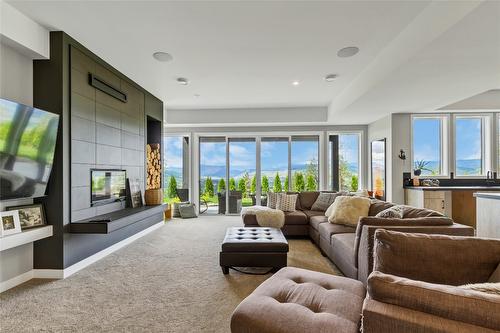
[274,166]
[212,184]
[242,178]
[305,165]
[176,168]
[344,161]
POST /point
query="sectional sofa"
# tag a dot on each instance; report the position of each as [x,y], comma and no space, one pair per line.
[349,248]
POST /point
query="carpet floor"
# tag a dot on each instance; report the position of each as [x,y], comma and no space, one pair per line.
[166,281]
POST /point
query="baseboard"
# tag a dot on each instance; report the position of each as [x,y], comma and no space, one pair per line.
[15,281]
[64,273]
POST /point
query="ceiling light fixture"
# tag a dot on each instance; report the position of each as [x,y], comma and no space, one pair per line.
[196,95]
[347,52]
[330,77]
[183,81]
[163,56]
[295,83]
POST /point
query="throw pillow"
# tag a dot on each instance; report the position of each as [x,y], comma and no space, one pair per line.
[361,193]
[272,199]
[324,201]
[395,212]
[187,211]
[286,202]
[495,277]
[176,212]
[348,210]
[489,288]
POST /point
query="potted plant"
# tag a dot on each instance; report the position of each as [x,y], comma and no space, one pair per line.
[419,166]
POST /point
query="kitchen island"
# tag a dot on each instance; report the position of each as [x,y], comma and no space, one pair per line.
[457,202]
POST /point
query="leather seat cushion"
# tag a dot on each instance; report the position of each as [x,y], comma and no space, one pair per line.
[254,239]
[311,213]
[296,217]
[296,300]
[326,230]
[315,221]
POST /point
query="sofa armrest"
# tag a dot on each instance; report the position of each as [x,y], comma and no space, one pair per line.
[379,317]
[442,259]
[467,306]
[365,244]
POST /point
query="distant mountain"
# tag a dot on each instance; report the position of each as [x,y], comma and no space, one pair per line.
[463,167]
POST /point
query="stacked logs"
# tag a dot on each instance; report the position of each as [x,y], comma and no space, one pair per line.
[153,181]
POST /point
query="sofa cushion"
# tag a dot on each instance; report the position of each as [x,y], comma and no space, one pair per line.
[344,254]
[272,199]
[348,210]
[311,213]
[395,212]
[315,221]
[296,217]
[413,212]
[495,277]
[377,206]
[326,230]
[307,199]
[324,201]
[296,300]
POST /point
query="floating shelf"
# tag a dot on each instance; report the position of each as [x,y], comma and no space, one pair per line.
[25,237]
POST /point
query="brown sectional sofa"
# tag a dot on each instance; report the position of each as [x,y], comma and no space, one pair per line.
[351,249]
[414,288]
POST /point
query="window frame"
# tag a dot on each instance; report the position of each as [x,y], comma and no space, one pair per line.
[486,143]
[445,150]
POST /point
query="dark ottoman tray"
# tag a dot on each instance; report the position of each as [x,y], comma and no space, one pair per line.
[253,247]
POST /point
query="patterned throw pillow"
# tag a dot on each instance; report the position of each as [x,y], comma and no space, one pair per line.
[286,202]
[394,212]
[272,199]
[324,201]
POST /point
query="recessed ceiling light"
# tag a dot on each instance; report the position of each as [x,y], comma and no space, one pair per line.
[183,81]
[162,56]
[330,77]
[295,83]
[348,51]
[196,95]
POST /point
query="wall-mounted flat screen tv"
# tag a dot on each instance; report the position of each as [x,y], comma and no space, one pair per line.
[27,145]
[107,186]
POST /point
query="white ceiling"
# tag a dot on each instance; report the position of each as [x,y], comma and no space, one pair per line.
[245,54]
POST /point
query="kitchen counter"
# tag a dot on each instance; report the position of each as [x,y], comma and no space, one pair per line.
[495,196]
[454,188]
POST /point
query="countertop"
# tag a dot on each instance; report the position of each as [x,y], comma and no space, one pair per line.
[487,195]
[454,188]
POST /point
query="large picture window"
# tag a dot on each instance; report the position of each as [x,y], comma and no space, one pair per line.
[344,161]
[176,167]
[470,145]
[429,135]
[305,165]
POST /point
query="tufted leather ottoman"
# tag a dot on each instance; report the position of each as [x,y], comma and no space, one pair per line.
[296,300]
[253,247]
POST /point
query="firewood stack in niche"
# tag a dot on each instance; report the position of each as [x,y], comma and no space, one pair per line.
[153,194]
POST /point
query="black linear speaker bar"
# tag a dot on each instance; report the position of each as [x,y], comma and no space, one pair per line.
[98,83]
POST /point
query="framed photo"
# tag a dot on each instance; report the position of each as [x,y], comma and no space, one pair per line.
[378,172]
[30,216]
[9,223]
[134,194]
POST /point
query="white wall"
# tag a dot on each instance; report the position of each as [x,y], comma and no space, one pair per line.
[401,139]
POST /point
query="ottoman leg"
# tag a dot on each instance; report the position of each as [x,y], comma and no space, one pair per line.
[225,269]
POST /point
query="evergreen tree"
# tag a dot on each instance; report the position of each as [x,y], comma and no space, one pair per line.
[253,186]
[172,188]
[286,186]
[209,187]
[247,181]
[221,187]
[265,184]
[298,182]
[277,183]
[242,187]
[232,184]
[354,183]
[310,183]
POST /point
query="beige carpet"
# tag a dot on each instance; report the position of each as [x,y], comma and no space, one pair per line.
[167,281]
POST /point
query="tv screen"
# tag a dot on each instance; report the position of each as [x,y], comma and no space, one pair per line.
[27,144]
[107,186]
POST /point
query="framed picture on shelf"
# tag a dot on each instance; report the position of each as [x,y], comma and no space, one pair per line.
[134,194]
[30,216]
[378,172]
[10,223]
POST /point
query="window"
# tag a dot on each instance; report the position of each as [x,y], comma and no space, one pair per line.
[176,161]
[344,161]
[305,166]
[274,164]
[212,168]
[470,145]
[429,137]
